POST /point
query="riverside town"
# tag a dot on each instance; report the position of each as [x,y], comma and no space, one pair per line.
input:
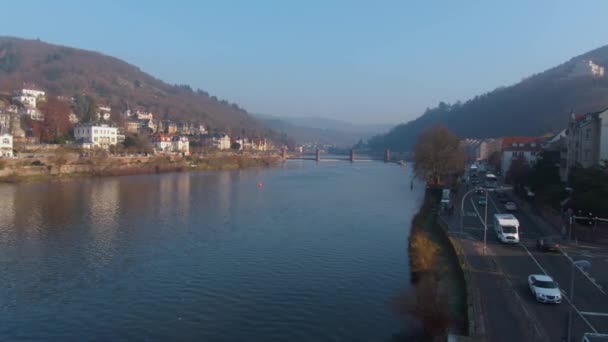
[304,171]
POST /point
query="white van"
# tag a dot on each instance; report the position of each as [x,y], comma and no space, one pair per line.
[506,227]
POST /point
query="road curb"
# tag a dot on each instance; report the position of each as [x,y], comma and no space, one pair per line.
[476,327]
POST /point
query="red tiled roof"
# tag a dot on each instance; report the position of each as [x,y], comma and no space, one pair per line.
[507,143]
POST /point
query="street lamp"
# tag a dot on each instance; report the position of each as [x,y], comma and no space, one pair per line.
[580,264]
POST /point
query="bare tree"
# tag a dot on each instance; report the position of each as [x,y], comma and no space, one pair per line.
[438,155]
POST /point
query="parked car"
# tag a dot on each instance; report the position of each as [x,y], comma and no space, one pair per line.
[510,206]
[544,289]
[481,200]
[547,244]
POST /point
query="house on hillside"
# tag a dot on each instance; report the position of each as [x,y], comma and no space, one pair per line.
[99,135]
[29,97]
[6,143]
[132,126]
[220,141]
[519,147]
[166,143]
[104,113]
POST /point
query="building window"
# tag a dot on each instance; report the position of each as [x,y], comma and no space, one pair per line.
[588,133]
[6,141]
[586,154]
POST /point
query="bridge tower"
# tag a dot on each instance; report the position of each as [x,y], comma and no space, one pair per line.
[352,155]
[318,156]
[387,155]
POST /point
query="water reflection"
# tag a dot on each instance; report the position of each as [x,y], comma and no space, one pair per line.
[314,255]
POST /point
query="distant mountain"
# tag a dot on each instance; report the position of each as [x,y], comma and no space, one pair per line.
[537,105]
[321,130]
[67,71]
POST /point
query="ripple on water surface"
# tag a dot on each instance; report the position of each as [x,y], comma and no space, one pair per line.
[314,255]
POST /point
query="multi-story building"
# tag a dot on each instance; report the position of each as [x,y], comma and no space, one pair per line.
[488,147]
[6,143]
[587,68]
[104,113]
[96,135]
[165,143]
[220,141]
[29,97]
[586,142]
[180,144]
[132,126]
[518,147]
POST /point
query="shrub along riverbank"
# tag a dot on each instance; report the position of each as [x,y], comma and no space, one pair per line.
[68,165]
[437,299]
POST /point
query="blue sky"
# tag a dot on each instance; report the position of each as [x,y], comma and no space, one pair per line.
[360,61]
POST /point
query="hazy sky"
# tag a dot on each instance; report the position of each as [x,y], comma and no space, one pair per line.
[361,61]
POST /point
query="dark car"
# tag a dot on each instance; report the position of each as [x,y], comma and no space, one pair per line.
[547,244]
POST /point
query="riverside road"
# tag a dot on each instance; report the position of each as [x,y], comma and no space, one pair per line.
[509,310]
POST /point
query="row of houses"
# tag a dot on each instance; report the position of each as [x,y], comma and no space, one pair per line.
[583,143]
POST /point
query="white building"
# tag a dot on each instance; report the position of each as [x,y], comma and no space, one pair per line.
[33,113]
[6,144]
[221,141]
[29,97]
[587,68]
[518,147]
[166,143]
[180,144]
[73,118]
[144,116]
[96,135]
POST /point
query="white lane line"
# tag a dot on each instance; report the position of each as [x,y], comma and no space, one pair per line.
[564,294]
[586,274]
[477,211]
[587,313]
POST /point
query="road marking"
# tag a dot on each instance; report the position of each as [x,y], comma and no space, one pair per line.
[477,211]
[604,314]
[586,274]
[564,293]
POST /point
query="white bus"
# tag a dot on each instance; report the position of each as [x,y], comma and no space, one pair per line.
[491,181]
[506,227]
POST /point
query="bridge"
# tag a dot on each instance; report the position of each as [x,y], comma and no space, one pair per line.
[352,157]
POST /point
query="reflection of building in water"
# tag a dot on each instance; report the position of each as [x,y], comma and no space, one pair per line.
[224,183]
[183,193]
[104,210]
[7,208]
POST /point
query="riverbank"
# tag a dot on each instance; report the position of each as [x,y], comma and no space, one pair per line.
[437,277]
[69,165]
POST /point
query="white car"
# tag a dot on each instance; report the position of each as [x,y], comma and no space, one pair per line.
[510,206]
[544,289]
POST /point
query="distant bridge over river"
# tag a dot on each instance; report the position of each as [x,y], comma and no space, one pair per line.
[352,157]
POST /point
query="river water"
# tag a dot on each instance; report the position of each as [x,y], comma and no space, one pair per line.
[303,252]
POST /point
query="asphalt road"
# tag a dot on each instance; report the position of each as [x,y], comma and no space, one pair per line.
[544,322]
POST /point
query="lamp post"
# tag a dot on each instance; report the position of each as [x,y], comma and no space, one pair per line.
[580,264]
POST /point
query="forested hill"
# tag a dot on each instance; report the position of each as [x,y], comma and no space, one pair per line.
[67,71]
[534,106]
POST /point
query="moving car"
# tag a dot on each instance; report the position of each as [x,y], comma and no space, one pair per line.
[544,289]
[510,206]
[547,244]
[506,227]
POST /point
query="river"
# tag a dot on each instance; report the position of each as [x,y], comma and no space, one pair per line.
[303,252]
